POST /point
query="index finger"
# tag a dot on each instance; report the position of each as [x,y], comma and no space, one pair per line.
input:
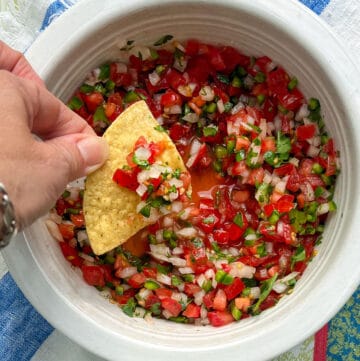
[15,62]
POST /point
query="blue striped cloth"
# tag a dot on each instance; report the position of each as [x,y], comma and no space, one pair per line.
[25,335]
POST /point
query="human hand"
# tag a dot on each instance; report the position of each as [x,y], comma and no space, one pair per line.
[36,172]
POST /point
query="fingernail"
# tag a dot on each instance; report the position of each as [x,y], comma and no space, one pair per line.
[94,151]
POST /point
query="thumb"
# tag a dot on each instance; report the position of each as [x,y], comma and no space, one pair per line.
[77,154]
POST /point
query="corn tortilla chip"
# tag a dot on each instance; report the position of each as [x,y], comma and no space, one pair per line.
[110,210]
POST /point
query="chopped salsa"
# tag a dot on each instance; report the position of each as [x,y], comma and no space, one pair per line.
[263,171]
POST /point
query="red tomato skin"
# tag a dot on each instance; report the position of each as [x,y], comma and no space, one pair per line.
[234,289]
[93,275]
[67,231]
[137,280]
[304,132]
[220,318]
[172,306]
[170,98]
[71,254]
[192,311]
[93,100]
[126,178]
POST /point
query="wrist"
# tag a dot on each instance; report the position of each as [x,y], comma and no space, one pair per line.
[8,223]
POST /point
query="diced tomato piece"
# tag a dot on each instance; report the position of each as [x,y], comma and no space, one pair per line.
[242,143]
[175,79]
[163,293]
[277,81]
[256,176]
[151,300]
[174,307]
[178,131]
[208,299]
[268,145]
[234,289]
[121,262]
[304,132]
[166,58]
[192,311]
[66,230]
[150,272]
[284,170]
[137,280]
[285,203]
[126,178]
[221,236]
[191,288]
[269,109]
[93,100]
[240,195]
[170,98]
[331,167]
[192,47]
[124,298]
[199,69]
[220,318]
[270,301]
[93,275]
[220,301]
[291,100]
[232,57]
[263,62]
[77,219]
[71,254]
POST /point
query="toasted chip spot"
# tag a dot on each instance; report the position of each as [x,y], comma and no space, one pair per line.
[110,210]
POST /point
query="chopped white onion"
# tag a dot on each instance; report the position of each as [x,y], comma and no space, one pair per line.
[191,118]
[220,106]
[313,151]
[254,292]
[154,78]
[186,270]
[55,217]
[188,232]
[143,153]
[82,237]
[177,251]
[141,189]
[176,207]
[280,187]
[167,221]
[140,206]
[174,109]
[164,279]
[198,297]
[294,161]
[237,107]
[127,272]
[206,93]
[239,269]
[323,209]
[185,90]
[139,312]
[201,279]
[302,113]
[143,51]
[87,257]
[54,230]
[160,249]
[195,148]
[269,246]
[180,63]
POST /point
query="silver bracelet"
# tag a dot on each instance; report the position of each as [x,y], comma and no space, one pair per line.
[8,225]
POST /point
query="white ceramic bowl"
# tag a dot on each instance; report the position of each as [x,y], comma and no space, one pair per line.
[286,31]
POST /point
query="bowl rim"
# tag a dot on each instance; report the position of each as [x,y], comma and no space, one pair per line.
[70,20]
